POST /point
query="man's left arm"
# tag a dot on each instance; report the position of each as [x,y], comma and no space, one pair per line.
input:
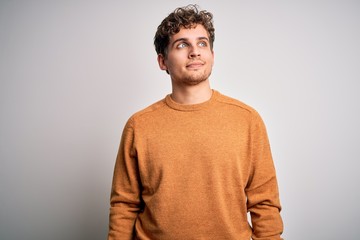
[262,189]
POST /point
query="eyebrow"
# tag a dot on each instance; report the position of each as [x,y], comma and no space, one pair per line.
[186,40]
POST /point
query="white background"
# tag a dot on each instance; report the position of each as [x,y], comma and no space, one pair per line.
[72,72]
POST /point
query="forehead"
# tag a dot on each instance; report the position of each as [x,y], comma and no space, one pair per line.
[194,32]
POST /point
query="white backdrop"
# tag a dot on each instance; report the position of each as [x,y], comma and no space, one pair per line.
[72,72]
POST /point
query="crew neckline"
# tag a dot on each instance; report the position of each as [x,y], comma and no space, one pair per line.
[190,107]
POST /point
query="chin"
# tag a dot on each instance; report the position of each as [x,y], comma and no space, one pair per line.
[197,78]
[195,81]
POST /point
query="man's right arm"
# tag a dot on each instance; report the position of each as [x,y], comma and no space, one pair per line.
[125,194]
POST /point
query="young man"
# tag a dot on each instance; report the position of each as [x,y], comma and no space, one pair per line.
[193,164]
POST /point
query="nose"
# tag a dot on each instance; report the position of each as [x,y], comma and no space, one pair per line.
[194,52]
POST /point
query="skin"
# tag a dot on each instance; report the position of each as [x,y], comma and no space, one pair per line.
[189,61]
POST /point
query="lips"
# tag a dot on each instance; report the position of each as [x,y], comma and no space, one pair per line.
[195,64]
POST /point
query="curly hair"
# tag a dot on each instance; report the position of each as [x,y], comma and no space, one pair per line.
[183,17]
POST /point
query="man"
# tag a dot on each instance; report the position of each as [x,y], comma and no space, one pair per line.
[193,164]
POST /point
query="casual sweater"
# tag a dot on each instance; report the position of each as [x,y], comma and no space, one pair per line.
[193,172]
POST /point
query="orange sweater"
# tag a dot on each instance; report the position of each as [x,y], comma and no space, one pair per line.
[193,172]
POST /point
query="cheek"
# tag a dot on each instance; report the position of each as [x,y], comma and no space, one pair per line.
[174,62]
[210,60]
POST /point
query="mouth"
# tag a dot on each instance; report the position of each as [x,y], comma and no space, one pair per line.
[195,65]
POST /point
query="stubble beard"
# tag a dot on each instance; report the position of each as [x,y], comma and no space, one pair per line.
[196,78]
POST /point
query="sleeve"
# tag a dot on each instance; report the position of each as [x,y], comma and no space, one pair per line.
[262,190]
[125,199]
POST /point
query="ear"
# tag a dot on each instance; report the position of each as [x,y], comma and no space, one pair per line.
[161,61]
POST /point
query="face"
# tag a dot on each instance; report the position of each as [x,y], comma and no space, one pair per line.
[189,57]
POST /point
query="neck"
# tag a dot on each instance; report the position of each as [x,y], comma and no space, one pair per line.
[192,94]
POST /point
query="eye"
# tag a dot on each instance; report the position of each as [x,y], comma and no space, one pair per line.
[182,45]
[202,44]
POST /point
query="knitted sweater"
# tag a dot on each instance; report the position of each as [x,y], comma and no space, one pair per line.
[193,172]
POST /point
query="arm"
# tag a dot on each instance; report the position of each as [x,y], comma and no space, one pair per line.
[262,190]
[125,194]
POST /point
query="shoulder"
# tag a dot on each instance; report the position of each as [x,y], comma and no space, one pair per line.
[153,108]
[239,108]
[147,112]
[236,104]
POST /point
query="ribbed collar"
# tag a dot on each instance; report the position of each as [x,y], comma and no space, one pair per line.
[191,107]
